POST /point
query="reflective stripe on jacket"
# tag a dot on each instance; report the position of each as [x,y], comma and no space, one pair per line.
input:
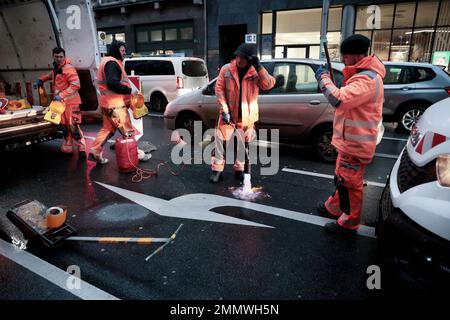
[67,83]
[228,91]
[359,106]
[108,98]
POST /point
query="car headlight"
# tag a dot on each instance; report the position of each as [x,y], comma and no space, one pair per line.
[443,170]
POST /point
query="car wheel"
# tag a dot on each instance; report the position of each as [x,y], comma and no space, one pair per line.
[385,207]
[187,121]
[409,116]
[323,148]
[158,102]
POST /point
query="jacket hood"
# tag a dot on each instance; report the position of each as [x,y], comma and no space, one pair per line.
[114,50]
[372,63]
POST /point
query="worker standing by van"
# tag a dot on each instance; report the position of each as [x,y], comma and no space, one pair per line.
[115,91]
[67,83]
[357,120]
[237,91]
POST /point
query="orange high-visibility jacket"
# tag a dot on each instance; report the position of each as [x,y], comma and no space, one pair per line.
[66,83]
[108,98]
[359,106]
[228,90]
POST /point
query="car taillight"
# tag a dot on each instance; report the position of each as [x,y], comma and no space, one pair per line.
[443,170]
[448,90]
[180,83]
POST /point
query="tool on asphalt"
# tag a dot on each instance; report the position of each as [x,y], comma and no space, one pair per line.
[174,235]
[116,240]
[41,224]
[56,109]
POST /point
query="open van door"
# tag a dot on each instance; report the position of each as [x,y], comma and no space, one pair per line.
[78,36]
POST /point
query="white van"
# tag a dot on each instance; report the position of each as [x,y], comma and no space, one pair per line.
[166,78]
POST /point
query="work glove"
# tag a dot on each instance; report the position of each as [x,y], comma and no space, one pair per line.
[39,83]
[254,61]
[226,117]
[57,98]
[321,70]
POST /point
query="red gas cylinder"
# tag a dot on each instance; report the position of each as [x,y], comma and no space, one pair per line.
[127,154]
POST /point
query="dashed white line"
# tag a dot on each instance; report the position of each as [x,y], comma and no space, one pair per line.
[328,176]
[385,155]
[51,273]
[395,139]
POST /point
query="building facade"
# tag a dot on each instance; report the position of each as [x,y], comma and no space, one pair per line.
[154,27]
[399,30]
[212,29]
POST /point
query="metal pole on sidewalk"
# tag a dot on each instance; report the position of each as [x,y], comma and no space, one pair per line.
[324,27]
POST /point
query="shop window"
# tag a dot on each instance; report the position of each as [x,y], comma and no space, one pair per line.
[156,35]
[404,15]
[426,13]
[267,23]
[400,45]
[381,43]
[171,34]
[444,13]
[186,33]
[364,16]
[142,36]
[421,45]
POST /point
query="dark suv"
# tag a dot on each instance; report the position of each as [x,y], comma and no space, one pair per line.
[410,88]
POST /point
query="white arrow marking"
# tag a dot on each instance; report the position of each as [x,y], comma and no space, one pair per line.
[198,206]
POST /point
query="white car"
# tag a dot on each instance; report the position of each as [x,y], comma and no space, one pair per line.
[414,212]
[165,78]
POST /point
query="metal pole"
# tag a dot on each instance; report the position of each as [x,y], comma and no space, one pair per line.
[324,27]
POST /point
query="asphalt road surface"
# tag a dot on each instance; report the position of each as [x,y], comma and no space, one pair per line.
[272,248]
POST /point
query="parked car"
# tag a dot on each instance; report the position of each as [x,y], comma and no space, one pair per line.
[414,212]
[166,78]
[294,106]
[410,88]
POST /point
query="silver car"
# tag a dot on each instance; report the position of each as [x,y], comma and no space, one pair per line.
[294,106]
[410,88]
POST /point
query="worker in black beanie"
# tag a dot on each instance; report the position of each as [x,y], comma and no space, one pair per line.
[357,128]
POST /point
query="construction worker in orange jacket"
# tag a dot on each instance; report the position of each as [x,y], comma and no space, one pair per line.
[115,91]
[66,83]
[237,90]
[357,121]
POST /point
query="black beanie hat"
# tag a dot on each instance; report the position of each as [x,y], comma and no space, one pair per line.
[355,44]
[246,50]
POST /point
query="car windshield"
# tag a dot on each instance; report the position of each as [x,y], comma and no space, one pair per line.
[194,68]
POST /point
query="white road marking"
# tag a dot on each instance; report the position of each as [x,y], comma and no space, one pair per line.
[395,139]
[385,155]
[153,115]
[51,273]
[93,138]
[198,206]
[328,176]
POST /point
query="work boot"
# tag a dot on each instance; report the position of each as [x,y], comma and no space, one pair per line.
[143,157]
[239,175]
[98,159]
[334,227]
[215,177]
[323,210]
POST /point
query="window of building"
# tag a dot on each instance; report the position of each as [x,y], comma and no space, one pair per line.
[166,39]
[267,19]
[142,36]
[156,35]
[409,31]
[297,32]
[171,34]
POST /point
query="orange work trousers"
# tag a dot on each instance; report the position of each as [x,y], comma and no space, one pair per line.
[70,124]
[113,119]
[223,134]
[347,200]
